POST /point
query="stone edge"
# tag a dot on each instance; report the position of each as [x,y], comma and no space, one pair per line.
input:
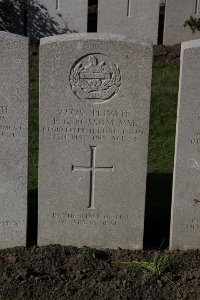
[190,44]
[12,36]
[93,37]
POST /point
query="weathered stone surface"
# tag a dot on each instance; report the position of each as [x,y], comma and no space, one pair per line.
[176,13]
[94,120]
[136,19]
[185,220]
[14,139]
[50,17]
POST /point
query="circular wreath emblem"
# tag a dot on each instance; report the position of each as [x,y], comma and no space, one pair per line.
[95,78]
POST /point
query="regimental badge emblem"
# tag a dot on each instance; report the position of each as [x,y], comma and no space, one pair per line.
[95,78]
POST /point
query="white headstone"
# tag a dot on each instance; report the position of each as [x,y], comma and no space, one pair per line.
[176,13]
[136,19]
[14,139]
[50,17]
[185,220]
[94,122]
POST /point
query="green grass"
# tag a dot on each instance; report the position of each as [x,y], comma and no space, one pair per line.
[87,252]
[163,118]
[159,265]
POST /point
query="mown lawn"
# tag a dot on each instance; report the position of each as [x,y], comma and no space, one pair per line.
[163,117]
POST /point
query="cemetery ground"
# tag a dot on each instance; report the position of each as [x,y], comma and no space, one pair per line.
[58,272]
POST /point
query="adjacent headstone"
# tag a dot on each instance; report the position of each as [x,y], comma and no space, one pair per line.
[176,13]
[14,139]
[94,120]
[51,17]
[185,220]
[136,19]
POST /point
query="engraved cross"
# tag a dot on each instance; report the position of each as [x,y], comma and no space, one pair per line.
[197,7]
[92,169]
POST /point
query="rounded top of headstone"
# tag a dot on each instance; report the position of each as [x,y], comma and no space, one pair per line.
[190,44]
[94,37]
[4,35]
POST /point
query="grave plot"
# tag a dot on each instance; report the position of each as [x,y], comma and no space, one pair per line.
[185,221]
[94,124]
[14,78]
[51,17]
[136,19]
[176,13]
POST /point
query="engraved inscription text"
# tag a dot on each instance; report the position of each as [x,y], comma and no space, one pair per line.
[91,219]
